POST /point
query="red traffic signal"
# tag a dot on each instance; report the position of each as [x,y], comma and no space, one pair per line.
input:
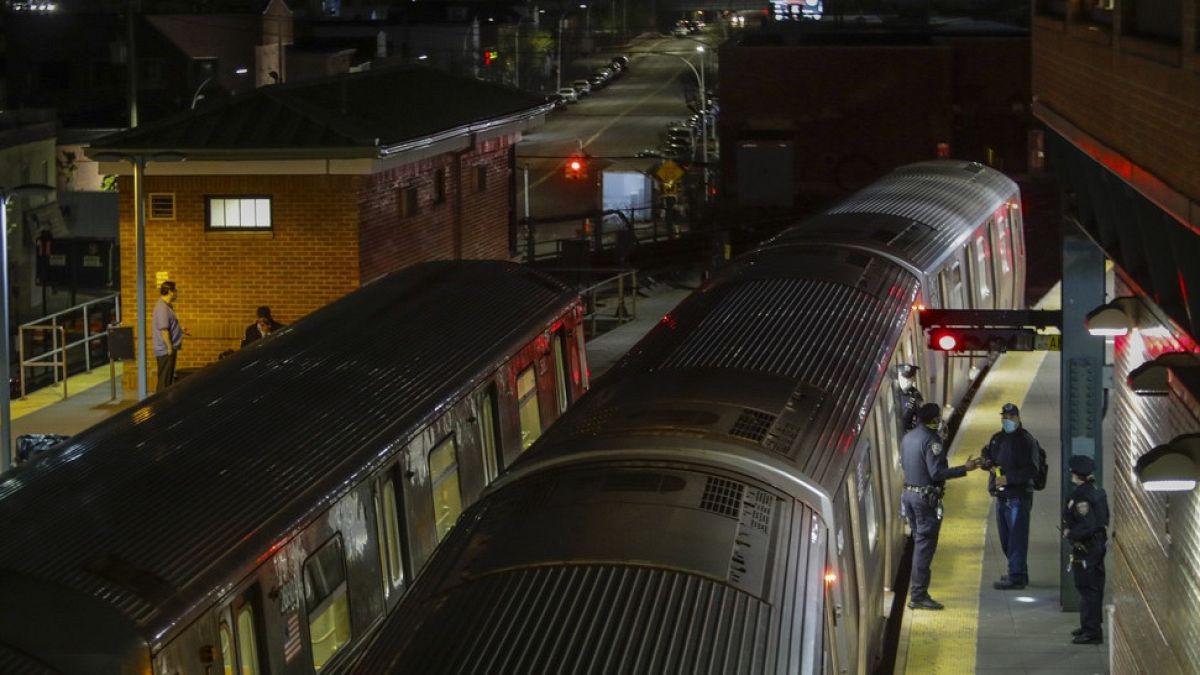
[490,56]
[944,340]
[575,168]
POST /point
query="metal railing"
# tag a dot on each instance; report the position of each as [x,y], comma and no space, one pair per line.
[618,286]
[55,327]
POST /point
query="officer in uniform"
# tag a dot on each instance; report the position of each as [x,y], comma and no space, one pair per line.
[925,473]
[1085,518]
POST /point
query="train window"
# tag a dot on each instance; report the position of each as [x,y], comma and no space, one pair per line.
[388,528]
[952,287]
[226,647]
[982,272]
[1000,226]
[443,480]
[581,353]
[326,601]
[560,372]
[247,644]
[527,405]
[489,433]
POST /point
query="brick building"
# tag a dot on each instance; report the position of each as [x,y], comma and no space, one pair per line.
[1116,85]
[293,195]
[850,102]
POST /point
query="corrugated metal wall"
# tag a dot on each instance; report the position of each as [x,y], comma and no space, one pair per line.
[1154,560]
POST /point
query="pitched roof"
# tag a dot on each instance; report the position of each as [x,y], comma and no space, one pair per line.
[351,115]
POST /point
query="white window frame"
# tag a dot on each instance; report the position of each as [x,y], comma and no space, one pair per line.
[219,210]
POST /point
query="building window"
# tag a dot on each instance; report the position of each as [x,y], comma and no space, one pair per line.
[443,481]
[481,178]
[439,186]
[161,205]
[326,601]
[238,213]
[409,205]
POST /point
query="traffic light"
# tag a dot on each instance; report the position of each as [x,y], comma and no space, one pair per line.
[973,339]
[575,168]
[490,56]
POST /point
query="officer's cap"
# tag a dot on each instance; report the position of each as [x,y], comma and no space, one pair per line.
[929,412]
[1082,465]
[1010,409]
[908,370]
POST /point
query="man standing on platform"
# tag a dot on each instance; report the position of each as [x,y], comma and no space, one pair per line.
[168,334]
[926,470]
[1011,458]
[1085,519]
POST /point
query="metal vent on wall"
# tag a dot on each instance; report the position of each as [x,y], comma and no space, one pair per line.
[162,205]
[722,496]
[753,425]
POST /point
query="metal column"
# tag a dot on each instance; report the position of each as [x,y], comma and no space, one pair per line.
[1081,375]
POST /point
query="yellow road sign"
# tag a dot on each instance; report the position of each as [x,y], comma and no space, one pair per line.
[669,171]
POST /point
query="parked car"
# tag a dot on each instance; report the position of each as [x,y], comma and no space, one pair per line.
[597,81]
[680,31]
[582,86]
[558,100]
[569,94]
[609,73]
[621,62]
[648,152]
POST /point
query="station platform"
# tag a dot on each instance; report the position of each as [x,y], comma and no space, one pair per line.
[606,349]
[983,630]
[91,400]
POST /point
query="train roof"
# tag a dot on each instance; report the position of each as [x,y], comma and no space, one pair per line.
[157,510]
[919,213]
[782,353]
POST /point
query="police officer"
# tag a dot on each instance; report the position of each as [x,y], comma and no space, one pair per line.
[1011,457]
[910,397]
[1085,518]
[925,473]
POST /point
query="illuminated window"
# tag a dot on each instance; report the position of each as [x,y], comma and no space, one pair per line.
[983,269]
[872,518]
[247,644]
[443,481]
[239,213]
[326,601]
[527,405]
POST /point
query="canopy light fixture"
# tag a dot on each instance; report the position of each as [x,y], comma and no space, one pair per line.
[1153,378]
[1114,318]
[1174,467]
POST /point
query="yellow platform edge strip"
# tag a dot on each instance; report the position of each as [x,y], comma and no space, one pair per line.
[76,384]
[943,642]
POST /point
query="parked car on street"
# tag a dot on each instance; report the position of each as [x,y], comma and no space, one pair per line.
[621,62]
[569,94]
[582,86]
[558,100]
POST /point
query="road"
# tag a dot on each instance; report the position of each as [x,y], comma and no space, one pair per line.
[613,124]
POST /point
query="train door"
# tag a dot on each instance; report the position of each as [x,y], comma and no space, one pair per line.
[868,572]
[562,371]
[528,406]
[1016,231]
[240,633]
[1003,261]
[389,533]
[954,296]
[490,445]
[445,488]
[983,280]
[889,481]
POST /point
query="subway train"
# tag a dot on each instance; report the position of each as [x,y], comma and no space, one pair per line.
[262,514]
[725,499]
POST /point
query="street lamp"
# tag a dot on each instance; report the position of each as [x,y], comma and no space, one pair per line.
[6,194]
[139,163]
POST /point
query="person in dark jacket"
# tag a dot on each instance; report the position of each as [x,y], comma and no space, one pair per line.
[926,470]
[1011,457]
[263,326]
[1085,523]
[910,397]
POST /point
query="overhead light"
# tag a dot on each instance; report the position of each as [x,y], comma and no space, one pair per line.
[1153,378]
[1172,467]
[422,57]
[1114,318]
[700,48]
[242,71]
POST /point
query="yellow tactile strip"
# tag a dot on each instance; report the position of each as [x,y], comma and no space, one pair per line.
[944,642]
[76,384]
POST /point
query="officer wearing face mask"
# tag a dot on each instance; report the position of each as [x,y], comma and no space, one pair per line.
[1011,458]
[926,470]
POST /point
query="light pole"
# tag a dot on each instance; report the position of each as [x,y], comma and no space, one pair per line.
[558,70]
[196,96]
[587,22]
[139,163]
[6,194]
[703,116]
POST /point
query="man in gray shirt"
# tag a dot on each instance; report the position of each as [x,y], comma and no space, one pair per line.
[168,334]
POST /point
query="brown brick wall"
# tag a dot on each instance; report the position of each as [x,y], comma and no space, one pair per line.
[1138,105]
[310,258]
[391,241]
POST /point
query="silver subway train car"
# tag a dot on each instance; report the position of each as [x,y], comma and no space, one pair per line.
[263,514]
[725,499]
